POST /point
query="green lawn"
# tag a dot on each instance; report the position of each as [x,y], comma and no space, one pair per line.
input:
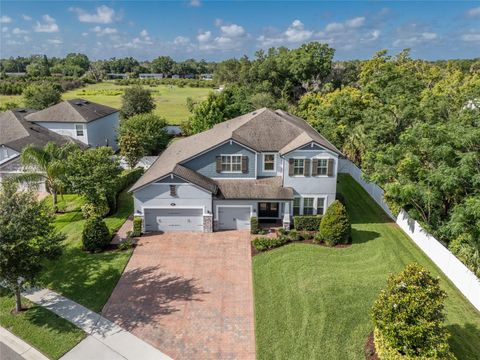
[170,100]
[48,333]
[313,302]
[86,278]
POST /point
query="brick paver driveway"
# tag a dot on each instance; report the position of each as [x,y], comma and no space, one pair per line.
[189,294]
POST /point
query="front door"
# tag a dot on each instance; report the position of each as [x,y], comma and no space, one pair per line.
[268,210]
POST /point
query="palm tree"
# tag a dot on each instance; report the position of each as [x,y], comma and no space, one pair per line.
[47,165]
[354,146]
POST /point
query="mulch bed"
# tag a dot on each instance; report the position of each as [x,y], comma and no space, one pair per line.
[305,241]
[370,352]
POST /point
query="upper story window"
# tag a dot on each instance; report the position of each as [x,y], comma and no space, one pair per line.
[322,167]
[232,163]
[79,129]
[298,166]
[269,162]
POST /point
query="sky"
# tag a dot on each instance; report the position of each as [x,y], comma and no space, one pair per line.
[216,30]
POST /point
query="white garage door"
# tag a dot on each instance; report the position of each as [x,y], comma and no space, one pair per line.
[230,218]
[173,220]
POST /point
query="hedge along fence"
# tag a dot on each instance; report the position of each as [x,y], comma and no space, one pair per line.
[462,277]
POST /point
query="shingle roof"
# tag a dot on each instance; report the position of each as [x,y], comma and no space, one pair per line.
[195,178]
[16,132]
[262,189]
[72,111]
[260,130]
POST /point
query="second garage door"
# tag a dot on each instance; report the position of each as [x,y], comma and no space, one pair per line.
[173,220]
[233,218]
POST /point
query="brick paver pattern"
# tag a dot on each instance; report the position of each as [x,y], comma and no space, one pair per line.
[189,294]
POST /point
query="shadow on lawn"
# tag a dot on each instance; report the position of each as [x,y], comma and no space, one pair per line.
[465,341]
[363,236]
[142,295]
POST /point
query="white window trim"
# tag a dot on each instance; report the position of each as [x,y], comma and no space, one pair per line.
[315,202]
[274,162]
[76,130]
[303,172]
[321,158]
[231,163]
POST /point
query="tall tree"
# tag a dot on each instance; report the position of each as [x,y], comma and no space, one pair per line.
[27,238]
[47,165]
[136,100]
[42,95]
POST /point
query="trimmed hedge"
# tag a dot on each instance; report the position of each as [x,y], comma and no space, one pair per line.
[137,226]
[307,222]
[335,226]
[267,243]
[253,225]
[126,179]
[95,235]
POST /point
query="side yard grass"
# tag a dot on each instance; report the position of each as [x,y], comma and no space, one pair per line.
[47,332]
[86,278]
[313,302]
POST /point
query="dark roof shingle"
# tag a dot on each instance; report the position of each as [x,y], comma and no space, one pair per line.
[261,189]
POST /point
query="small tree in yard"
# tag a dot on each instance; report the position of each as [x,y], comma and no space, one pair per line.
[408,317]
[136,100]
[27,237]
[93,173]
[335,226]
[41,96]
[131,148]
[95,236]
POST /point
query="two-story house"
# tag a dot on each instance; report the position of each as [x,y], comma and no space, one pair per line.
[91,123]
[268,164]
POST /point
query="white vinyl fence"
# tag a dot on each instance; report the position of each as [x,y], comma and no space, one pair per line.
[464,279]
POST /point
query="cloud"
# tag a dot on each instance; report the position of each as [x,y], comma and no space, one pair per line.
[18,31]
[355,22]
[474,12]
[103,15]
[195,3]
[4,19]
[137,42]
[417,39]
[49,25]
[232,30]
[26,17]
[231,37]
[295,33]
[413,34]
[204,36]
[471,37]
[104,31]
[55,41]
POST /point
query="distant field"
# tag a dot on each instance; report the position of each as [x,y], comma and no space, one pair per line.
[170,100]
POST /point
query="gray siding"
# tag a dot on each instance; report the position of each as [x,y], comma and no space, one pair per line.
[158,195]
[67,129]
[205,164]
[312,185]
[103,131]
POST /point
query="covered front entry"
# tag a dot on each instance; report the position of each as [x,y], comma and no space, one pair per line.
[172,219]
[268,212]
[233,217]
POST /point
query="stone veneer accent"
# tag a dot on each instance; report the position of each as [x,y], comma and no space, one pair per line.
[208,223]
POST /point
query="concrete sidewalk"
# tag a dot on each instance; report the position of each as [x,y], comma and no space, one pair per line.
[12,347]
[106,340]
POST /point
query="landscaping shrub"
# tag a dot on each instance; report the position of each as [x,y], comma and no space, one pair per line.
[293,235]
[335,226]
[318,238]
[90,210]
[137,226]
[307,222]
[282,231]
[267,243]
[408,317]
[126,244]
[125,180]
[253,225]
[307,235]
[95,236]
[262,231]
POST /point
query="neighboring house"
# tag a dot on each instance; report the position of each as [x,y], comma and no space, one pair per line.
[91,123]
[15,134]
[150,76]
[206,77]
[268,164]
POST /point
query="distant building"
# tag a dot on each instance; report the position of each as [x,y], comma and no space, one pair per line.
[117,76]
[175,76]
[151,76]
[206,77]
[17,74]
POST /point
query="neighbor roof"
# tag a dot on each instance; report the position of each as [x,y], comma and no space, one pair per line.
[16,132]
[261,130]
[72,111]
[269,188]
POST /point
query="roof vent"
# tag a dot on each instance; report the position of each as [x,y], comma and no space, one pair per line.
[86,102]
[79,103]
[254,113]
[21,110]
